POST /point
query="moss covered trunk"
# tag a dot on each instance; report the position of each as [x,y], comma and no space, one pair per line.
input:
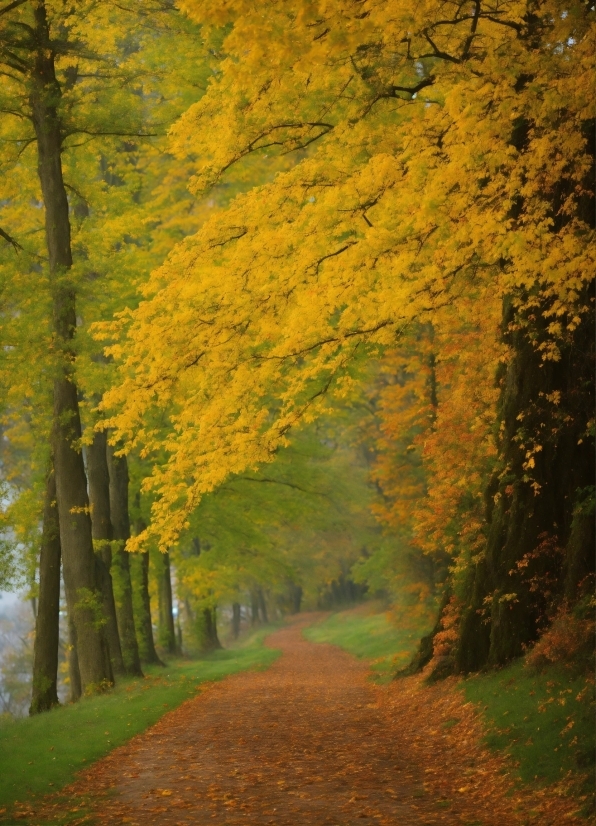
[540,536]
[166,630]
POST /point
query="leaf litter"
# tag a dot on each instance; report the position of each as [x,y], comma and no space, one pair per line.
[309,741]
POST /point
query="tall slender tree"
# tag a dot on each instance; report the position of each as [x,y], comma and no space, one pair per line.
[166,628]
[142,604]
[99,498]
[118,471]
[71,484]
[68,71]
[47,631]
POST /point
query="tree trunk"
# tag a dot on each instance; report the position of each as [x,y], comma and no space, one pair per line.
[236,620]
[142,606]
[73,663]
[45,652]
[211,640]
[473,647]
[295,597]
[99,498]
[539,543]
[167,631]
[580,551]
[118,471]
[71,485]
[523,522]
[262,605]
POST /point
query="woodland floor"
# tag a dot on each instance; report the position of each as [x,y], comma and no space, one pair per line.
[309,742]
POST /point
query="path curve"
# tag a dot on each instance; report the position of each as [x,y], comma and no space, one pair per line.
[304,743]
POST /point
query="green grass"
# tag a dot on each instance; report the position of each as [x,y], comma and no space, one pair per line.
[371,637]
[545,721]
[41,754]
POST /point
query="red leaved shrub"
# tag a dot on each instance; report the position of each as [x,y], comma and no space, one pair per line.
[568,641]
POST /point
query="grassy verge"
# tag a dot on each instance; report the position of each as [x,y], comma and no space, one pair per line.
[41,754]
[544,721]
[369,636]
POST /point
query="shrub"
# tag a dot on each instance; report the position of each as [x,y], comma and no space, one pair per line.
[568,641]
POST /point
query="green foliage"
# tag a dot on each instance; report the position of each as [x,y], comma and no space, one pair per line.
[544,721]
[41,754]
[369,636]
[89,601]
[303,518]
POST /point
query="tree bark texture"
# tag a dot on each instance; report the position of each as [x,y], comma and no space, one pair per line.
[118,472]
[167,631]
[546,529]
[45,652]
[99,499]
[522,520]
[78,560]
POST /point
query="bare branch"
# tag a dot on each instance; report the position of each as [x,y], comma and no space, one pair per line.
[12,6]
[473,27]
[413,90]
[509,23]
[9,239]
[436,52]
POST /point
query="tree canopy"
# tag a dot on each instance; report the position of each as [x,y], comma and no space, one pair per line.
[445,158]
[299,294]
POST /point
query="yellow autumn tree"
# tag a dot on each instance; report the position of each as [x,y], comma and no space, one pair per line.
[443,153]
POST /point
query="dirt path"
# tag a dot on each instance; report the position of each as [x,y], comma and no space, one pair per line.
[309,742]
[301,743]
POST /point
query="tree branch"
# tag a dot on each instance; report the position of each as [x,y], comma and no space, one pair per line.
[436,51]
[281,482]
[333,254]
[9,239]
[473,27]
[332,340]
[413,90]
[12,6]
[242,232]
